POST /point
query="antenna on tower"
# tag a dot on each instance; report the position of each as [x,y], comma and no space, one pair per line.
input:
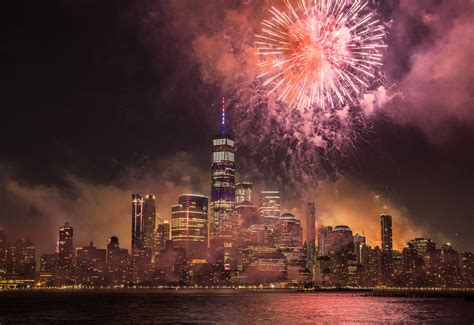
[223,117]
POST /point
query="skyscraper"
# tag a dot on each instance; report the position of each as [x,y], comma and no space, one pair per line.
[288,231]
[340,238]
[20,261]
[243,192]
[323,240]
[117,262]
[163,234]
[310,234]
[223,177]
[3,254]
[91,266]
[65,252]
[143,223]
[387,247]
[359,244]
[48,265]
[310,222]
[189,225]
[137,223]
[149,220]
[270,206]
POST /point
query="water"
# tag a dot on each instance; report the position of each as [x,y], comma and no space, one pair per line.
[226,306]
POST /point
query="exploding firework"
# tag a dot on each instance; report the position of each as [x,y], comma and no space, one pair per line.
[320,53]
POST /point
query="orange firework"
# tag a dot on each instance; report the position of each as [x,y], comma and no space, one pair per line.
[320,53]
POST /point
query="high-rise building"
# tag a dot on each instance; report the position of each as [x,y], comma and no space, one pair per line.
[149,221]
[189,225]
[3,254]
[310,222]
[48,265]
[387,247]
[117,262]
[65,270]
[247,214]
[467,268]
[270,206]
[20,259]
[137,222]
[340,238]
[243,192]
[359,244]
[424,249]
[288,231]
[323,240]
[310,235]
[143,223]
[163,234]
[223,177]
[91,266]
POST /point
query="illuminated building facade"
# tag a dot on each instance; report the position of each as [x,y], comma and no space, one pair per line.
[3,254]
[323,240]
[91,266]
[243,192]
[143,223]
[20,259]
[163,234]
[340,237]
[117,263]
[310,222]
[223,178]
[48,265]
[288,231]
[270,206]
[387,247]
[149,222]
[247,214]
[137,222]
[359,244]
[310,234]
[189,225]
[65,271]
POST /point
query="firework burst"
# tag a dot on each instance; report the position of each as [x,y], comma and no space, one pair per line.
[320,53]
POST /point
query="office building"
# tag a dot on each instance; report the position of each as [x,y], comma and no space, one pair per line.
[163,234]
[288,231]
[387,247]
[143,224]
[117,263]
[48,266]
[149,222]
[323,240]
[243,192]
[91,266]
[310,234]
[20,259]
[3,254]
[189,225]
[247,214]
[223,178]
[65,269]
[270,206]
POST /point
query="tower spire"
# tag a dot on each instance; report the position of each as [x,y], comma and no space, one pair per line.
[223,117]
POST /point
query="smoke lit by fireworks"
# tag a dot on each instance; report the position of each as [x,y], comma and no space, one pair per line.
[320,53]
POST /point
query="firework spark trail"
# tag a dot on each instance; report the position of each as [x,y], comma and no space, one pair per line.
[320,53]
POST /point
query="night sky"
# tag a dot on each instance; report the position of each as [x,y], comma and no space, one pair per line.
[103,98]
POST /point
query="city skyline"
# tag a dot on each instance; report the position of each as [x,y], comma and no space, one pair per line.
[230,241]
[237,161]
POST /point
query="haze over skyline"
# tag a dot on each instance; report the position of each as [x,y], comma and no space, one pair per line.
[107,99]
